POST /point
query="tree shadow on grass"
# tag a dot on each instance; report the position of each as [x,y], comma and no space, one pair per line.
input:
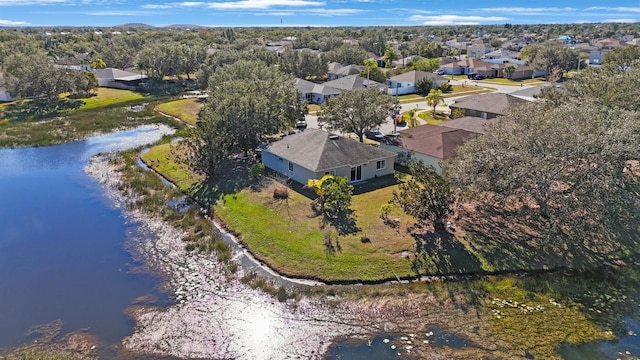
[520,240]
[344,222]
[36,109]
[235,177]
[440,254]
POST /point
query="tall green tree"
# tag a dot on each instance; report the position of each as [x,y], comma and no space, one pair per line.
[346,54]
[302,63]
[426,196]
[248,101]
[356,111]
[551,56]
[565,167]
[428,65]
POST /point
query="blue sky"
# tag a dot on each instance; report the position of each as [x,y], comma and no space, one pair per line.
[104,13]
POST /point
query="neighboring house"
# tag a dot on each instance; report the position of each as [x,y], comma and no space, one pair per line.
[314,93]
[427,143]
[469,123]
[487,106]
[379,59]
[4,94]
[530,93]
[279,47]
[313,153]
[476,50]
[402,62]
[464,67]
[406,83]
[80,62]
[118,79]
[353,82]
[596,58]
[336,70]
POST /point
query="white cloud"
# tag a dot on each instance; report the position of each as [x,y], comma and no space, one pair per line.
[527,10]
[619,20]
[275,13]
[334,12]
[32,2]
[262,4]
[119,13]
[12,23]
[157,6]
[456,19]
[614,8]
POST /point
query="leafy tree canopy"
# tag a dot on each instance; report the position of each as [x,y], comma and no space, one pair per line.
[356,111]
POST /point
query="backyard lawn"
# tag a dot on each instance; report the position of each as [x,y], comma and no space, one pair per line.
[106,97]
[184,109]
[288,236]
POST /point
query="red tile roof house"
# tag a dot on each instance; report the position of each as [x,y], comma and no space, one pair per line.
[313,153]
[487,106]
[427,143]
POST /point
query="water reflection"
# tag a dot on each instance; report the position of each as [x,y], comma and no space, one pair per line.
[61,243]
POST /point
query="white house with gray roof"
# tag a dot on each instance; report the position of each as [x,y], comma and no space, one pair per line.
[313,153]
[314,93]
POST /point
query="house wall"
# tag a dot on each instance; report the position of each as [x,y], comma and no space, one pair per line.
[5,96]
[404,156]
[406,88]
[301,175]
[281,166]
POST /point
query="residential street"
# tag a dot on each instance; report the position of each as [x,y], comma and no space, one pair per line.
[387,128]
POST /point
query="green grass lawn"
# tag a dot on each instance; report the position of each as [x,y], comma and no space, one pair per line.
[185,109]
[107,97]
[433,120]
[289,237]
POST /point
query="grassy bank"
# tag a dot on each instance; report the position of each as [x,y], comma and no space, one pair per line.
[184,109]
[23,125]
[289,237]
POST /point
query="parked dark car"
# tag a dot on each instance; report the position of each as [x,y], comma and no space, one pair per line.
[479,77]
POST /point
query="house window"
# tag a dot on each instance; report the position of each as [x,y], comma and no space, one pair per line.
[290,166]
[356,173]
[331,172]
[381,164]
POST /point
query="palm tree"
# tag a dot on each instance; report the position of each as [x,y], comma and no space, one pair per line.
[319,186]
[509,69]
[390,55]
[434,99]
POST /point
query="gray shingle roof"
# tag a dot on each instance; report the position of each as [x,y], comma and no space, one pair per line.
[117,74]
[415,76]
[353,82]
[469,123]
[315,150]
[495,103]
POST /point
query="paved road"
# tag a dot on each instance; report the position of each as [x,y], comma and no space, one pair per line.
[387,128]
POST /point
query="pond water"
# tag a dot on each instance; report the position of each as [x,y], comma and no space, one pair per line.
[62,243]
[62,256]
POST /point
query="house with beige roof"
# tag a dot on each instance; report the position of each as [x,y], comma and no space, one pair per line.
[428,143]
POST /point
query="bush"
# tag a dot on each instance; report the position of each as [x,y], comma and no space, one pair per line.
[445,87]
[256,170]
